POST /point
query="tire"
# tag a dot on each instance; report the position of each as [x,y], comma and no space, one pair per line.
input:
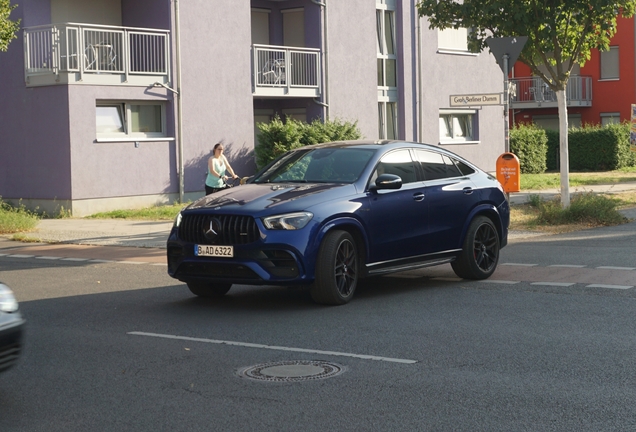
[209,290]
[337,269]
[480,254]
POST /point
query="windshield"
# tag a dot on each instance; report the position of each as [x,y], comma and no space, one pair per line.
[321,165]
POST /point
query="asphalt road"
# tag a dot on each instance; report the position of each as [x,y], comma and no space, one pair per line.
[546,345]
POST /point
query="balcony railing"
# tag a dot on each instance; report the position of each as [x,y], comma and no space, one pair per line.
[80,53]
[535,93]
[285,71]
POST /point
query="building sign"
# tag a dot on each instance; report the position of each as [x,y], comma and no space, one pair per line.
[478,99]
[632,130]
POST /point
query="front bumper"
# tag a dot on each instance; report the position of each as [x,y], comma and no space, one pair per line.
[267,261]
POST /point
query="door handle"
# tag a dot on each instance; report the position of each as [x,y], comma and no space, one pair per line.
[418,196]
[468,190]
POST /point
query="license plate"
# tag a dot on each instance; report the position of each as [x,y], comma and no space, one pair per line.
[214,251]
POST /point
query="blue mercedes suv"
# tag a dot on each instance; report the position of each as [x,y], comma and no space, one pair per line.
[330,214]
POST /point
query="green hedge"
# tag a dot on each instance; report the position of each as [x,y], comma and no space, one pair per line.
[593,148]
[278,136]
[530,144]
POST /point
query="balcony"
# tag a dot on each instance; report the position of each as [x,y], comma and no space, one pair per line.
[535,93]
[94,54]
[279,71]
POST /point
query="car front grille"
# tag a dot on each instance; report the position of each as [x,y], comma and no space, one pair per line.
[234,229]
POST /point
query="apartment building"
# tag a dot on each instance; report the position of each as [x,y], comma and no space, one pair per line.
[599,92]
[117,103]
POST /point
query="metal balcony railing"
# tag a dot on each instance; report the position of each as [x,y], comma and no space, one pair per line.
[95,49]
[279,70]
[535,92]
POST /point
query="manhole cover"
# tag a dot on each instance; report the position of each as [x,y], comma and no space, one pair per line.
[292,371]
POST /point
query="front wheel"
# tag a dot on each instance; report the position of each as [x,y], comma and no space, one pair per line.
[480,253]
[337,269]
[209,290]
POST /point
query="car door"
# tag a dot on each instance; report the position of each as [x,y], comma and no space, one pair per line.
[399,217]
[450,195]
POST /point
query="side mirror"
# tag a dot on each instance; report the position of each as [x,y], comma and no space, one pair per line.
[387,181]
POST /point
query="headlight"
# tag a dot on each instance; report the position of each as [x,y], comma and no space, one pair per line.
[8,302]
[177,220]
[290,221]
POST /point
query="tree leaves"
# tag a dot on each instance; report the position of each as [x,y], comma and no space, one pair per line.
[8,28]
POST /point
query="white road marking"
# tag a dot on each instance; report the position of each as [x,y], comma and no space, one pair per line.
[616,268]
[48,257]
[519,264]
[495,281]
[276,348]
[609,286]
[567,266]
[74,259]
[556,284]
[20,256]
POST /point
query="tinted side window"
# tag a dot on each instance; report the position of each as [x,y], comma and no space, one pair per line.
[451,169]
[465,169]
[398,163]
[432,164]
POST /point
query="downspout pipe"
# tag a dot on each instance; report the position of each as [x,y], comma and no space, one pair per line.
[325,57]
[179,96]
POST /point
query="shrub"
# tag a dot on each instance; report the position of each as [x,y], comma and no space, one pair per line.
[529,143]
[584,208]
[593,148]
[278,136]
[16,219]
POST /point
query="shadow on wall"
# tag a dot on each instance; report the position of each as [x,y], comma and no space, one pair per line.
[196,169]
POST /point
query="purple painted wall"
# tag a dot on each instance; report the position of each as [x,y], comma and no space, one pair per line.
[34,153]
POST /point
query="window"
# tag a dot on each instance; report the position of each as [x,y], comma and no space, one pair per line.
[457,126]
[453,40]
[610,118]
[398,163]
[137,120]
[387,69]
[387,120]
[437,166]
[609,63]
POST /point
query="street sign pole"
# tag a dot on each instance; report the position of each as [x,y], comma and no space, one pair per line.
[506,106]
[506,51]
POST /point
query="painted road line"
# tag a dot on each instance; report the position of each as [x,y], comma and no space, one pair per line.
[75,259]
[21,256]
[48,257]
[495,281]
[555,284]
[623,287]
[519,264]
[616,268]
[567,266]
[275,348]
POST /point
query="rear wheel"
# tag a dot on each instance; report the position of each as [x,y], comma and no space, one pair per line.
[337,269]
[208,290]
[480,254]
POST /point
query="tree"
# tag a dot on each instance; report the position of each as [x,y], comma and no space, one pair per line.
[561,33]
[8,28]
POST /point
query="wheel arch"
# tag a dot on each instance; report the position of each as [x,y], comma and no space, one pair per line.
[354,228]
[489,211]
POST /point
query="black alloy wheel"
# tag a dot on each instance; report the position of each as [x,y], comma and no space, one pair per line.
[337,269]
[480,254]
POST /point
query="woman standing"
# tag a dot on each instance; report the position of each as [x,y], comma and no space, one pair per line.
[217,165]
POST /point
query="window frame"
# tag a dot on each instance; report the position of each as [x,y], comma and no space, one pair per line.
[125,112]
[454,116]
[608,56]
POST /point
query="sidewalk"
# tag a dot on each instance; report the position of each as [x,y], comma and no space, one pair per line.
[153,234]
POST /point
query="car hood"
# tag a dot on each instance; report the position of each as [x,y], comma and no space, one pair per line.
[277,197]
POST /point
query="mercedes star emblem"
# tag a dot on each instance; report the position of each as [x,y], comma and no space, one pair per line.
[213,231]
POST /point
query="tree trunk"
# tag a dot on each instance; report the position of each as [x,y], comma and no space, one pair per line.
[563,145]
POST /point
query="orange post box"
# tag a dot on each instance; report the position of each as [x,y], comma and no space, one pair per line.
[508,172]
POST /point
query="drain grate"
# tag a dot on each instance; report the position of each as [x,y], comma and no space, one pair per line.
[292,371]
